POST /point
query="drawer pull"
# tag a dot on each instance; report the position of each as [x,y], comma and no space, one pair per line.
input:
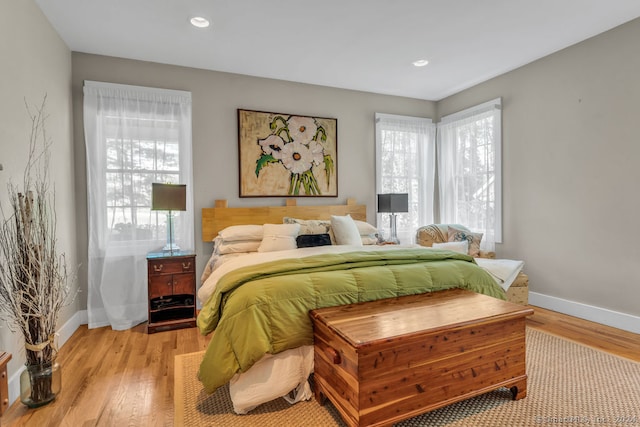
[169,283]
[186,265]
[333,355]
[157,267]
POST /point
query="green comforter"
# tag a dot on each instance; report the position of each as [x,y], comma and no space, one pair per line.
[264,308]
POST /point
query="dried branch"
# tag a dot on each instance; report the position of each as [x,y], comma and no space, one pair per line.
[34,282]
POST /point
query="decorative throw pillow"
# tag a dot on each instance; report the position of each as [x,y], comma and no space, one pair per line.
[311,240]
[345,230]
[368,233]
[433,233]
[310,226]
[461,247]
[279,237]
[458,235]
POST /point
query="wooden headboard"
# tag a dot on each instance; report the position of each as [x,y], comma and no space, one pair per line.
[221,216]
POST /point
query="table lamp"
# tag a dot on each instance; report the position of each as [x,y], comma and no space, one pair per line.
[392,203]
[169,197]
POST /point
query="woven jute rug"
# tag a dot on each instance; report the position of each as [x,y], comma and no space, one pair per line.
[567,384]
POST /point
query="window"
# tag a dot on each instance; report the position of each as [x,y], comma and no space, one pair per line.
[469,170]
[134,136]
[405,163]
[133,162]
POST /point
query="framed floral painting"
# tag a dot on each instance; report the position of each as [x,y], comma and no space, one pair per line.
[287,155]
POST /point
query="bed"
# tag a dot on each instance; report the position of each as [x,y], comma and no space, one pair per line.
[260,284]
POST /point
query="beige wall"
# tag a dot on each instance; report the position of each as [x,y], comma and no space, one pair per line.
[34,62]
[216,98]
[571,158]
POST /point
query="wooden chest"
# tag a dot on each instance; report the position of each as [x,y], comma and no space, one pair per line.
[384,361]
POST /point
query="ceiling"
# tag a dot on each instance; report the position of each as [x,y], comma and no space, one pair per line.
[365,45]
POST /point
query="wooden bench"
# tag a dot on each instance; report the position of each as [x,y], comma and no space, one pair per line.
[384,361]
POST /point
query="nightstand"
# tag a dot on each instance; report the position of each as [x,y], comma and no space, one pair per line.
[171,283]
[4,388]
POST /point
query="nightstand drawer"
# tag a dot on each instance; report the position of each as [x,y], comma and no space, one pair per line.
[169,266]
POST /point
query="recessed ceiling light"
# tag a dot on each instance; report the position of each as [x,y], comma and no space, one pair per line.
[200,22]
[420,62]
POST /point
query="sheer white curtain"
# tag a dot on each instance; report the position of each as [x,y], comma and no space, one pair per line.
[134,136]
[469,170]
[405,163]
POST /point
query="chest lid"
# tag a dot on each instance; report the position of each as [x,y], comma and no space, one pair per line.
[366,323]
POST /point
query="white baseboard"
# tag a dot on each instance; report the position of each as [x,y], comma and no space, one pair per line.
[64,333]
[616,319]
[71,325]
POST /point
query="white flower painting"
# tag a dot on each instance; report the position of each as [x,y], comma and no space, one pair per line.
[288,155]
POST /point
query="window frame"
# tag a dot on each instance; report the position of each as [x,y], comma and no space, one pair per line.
[421,204]
[492,109]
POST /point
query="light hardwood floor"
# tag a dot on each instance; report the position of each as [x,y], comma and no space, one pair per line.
[126,378]
[113,378]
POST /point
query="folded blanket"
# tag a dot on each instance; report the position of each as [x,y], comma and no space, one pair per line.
[504,271]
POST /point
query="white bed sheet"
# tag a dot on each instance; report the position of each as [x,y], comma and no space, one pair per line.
[275,375]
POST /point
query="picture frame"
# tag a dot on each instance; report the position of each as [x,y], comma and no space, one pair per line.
[287,155]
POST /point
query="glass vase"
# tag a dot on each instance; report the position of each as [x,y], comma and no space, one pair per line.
[40,384]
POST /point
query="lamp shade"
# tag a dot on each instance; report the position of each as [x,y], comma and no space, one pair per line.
[168,197]
[393,202]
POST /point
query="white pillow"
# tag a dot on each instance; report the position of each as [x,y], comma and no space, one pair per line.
[368,233]
[279,237]
[462,247]
[365,229]
[369,240]
[238,246]
[345,230]
[241,232]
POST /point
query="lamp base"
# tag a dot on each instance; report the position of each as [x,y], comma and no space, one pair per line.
[393,238]
[171,247]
